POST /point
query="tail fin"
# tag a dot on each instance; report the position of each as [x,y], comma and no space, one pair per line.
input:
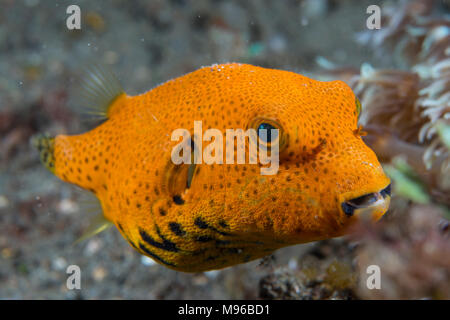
[46,147]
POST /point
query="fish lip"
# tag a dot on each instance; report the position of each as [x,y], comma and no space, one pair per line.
[386,191]
[366,201]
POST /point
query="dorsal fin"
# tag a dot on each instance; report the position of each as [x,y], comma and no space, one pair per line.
[100,88]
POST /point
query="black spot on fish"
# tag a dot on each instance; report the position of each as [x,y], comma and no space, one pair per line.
[178,200]
[177,229]
[200,223]
[162,211]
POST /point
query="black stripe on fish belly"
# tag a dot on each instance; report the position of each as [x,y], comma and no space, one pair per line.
[165,245]
[219,245]
[199,222]
[222,243]
[204,238]
[153,255]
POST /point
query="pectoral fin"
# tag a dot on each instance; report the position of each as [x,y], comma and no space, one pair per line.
[98,224]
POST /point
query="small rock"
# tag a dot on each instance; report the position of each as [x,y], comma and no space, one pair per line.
[148,262]
[4,202]
[99,273]
[59,264]
[67,206]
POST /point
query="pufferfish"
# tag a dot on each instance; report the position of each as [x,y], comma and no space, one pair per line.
[198,217]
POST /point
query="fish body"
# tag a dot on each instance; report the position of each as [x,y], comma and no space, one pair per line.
[209,216]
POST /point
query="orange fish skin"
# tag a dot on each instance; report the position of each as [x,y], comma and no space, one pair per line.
[231,213]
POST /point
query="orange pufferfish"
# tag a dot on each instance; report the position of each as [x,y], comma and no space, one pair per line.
[201,217]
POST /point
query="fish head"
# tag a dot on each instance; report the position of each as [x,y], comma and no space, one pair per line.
[326,177]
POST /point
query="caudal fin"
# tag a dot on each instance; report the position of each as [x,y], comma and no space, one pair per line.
[46,147]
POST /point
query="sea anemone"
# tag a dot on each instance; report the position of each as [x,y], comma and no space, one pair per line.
[406,111]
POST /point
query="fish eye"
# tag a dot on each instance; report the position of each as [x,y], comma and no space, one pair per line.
[358,107]
[267,136]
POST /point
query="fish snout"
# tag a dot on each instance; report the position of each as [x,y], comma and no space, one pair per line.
[373,205]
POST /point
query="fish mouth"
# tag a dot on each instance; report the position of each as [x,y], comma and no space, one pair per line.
[371,204]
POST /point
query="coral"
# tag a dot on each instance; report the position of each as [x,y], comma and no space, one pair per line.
[324,272]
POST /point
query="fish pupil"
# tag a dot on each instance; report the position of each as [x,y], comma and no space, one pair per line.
[178,200]
[268,137]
